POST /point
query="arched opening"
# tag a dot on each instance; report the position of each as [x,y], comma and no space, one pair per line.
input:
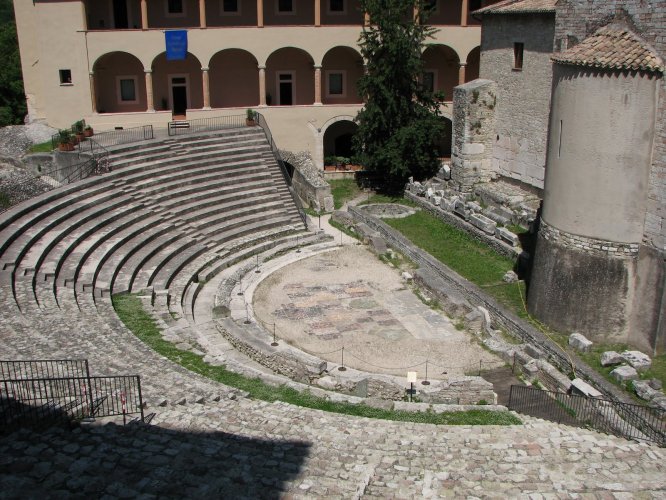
[120,83]
[234,79]
[338,139]
[440,69]
[290,169]
[472,69]
[177,85]
[289,77]
[444,142]
[341,69]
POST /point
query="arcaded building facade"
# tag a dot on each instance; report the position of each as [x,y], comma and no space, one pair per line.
[295,61]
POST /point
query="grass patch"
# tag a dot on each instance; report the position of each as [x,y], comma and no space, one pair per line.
[312,212]
[43,147]
[343,190]
[131,312]
[341,227]
[516,229]
[470,258]
[593,359]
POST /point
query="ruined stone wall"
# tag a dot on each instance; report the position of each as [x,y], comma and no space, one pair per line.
[474,105]
[578,19]
[523,96]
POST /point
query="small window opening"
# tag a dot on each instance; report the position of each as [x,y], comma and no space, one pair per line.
[518,48]
[285,6]
[65,76]
[175,6]
[337,6]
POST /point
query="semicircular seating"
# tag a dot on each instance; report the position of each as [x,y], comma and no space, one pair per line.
[168,210]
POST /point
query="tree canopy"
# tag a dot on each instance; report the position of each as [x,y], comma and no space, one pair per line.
[12,95]
[400,124]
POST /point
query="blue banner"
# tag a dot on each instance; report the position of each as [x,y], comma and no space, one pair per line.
[176,45]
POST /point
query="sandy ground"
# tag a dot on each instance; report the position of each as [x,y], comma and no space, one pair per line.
[349,298]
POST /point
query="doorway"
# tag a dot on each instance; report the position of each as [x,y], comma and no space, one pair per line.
[285,90]
[179,94]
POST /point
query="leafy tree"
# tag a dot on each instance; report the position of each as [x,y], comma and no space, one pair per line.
[400,124]
[12,95]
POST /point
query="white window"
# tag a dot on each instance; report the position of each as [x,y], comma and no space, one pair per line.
[126,89]
[337,7]
[285,7]
[175,8]
[429,81]
[336,83]
[230,7]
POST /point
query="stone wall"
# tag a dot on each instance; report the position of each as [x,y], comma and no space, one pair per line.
[578,19]
[474,106]
[307,181]
[523,95]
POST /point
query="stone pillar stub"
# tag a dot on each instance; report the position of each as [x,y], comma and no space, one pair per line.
[474,109]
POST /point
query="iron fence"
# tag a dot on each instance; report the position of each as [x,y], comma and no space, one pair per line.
[612,417]
[182,127]
[42,393]
[49,368]
[123,136]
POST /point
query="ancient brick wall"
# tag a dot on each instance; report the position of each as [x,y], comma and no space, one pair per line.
[523,95]
[576,20]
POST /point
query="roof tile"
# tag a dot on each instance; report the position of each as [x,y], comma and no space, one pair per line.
[518,7]
[612,47]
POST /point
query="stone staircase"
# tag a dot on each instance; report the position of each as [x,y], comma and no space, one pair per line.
[168,211]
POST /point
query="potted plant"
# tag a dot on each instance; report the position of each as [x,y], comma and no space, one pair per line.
[88,131]
[78,130]
[65,140]
[250,119]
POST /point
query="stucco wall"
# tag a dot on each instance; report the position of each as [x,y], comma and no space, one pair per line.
[523,96]
[602,129]
[577,19]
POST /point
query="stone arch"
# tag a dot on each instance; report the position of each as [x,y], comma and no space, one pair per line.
[342,67]
[234,79]
[164,86]
[473,62]
[441,65]
[120,83]
[319,134]
[290,77]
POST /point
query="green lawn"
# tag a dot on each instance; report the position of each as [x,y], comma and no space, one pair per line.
[343,190]
[44,147]
[470,258]
[130,310]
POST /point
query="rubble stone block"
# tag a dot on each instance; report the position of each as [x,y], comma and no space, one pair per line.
[483,223]
[580,342]
[610,358]
[503,234]
[624,373]
[637,359]
[644,391]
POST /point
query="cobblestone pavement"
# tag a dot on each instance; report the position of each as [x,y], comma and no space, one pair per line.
[248,449]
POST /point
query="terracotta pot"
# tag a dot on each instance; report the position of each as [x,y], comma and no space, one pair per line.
[68,146]
[88,132]
[250,123]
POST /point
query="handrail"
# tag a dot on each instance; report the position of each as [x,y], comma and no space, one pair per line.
[261,121]
[606,415]
[183,127]
[124,136]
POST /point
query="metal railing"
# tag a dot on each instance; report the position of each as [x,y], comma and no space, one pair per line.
[261,121]
[123,136]
[49,368]
[69,396]
[182,127]
[612,417]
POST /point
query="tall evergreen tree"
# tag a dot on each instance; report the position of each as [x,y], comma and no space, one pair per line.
[12,96]
[400,124]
